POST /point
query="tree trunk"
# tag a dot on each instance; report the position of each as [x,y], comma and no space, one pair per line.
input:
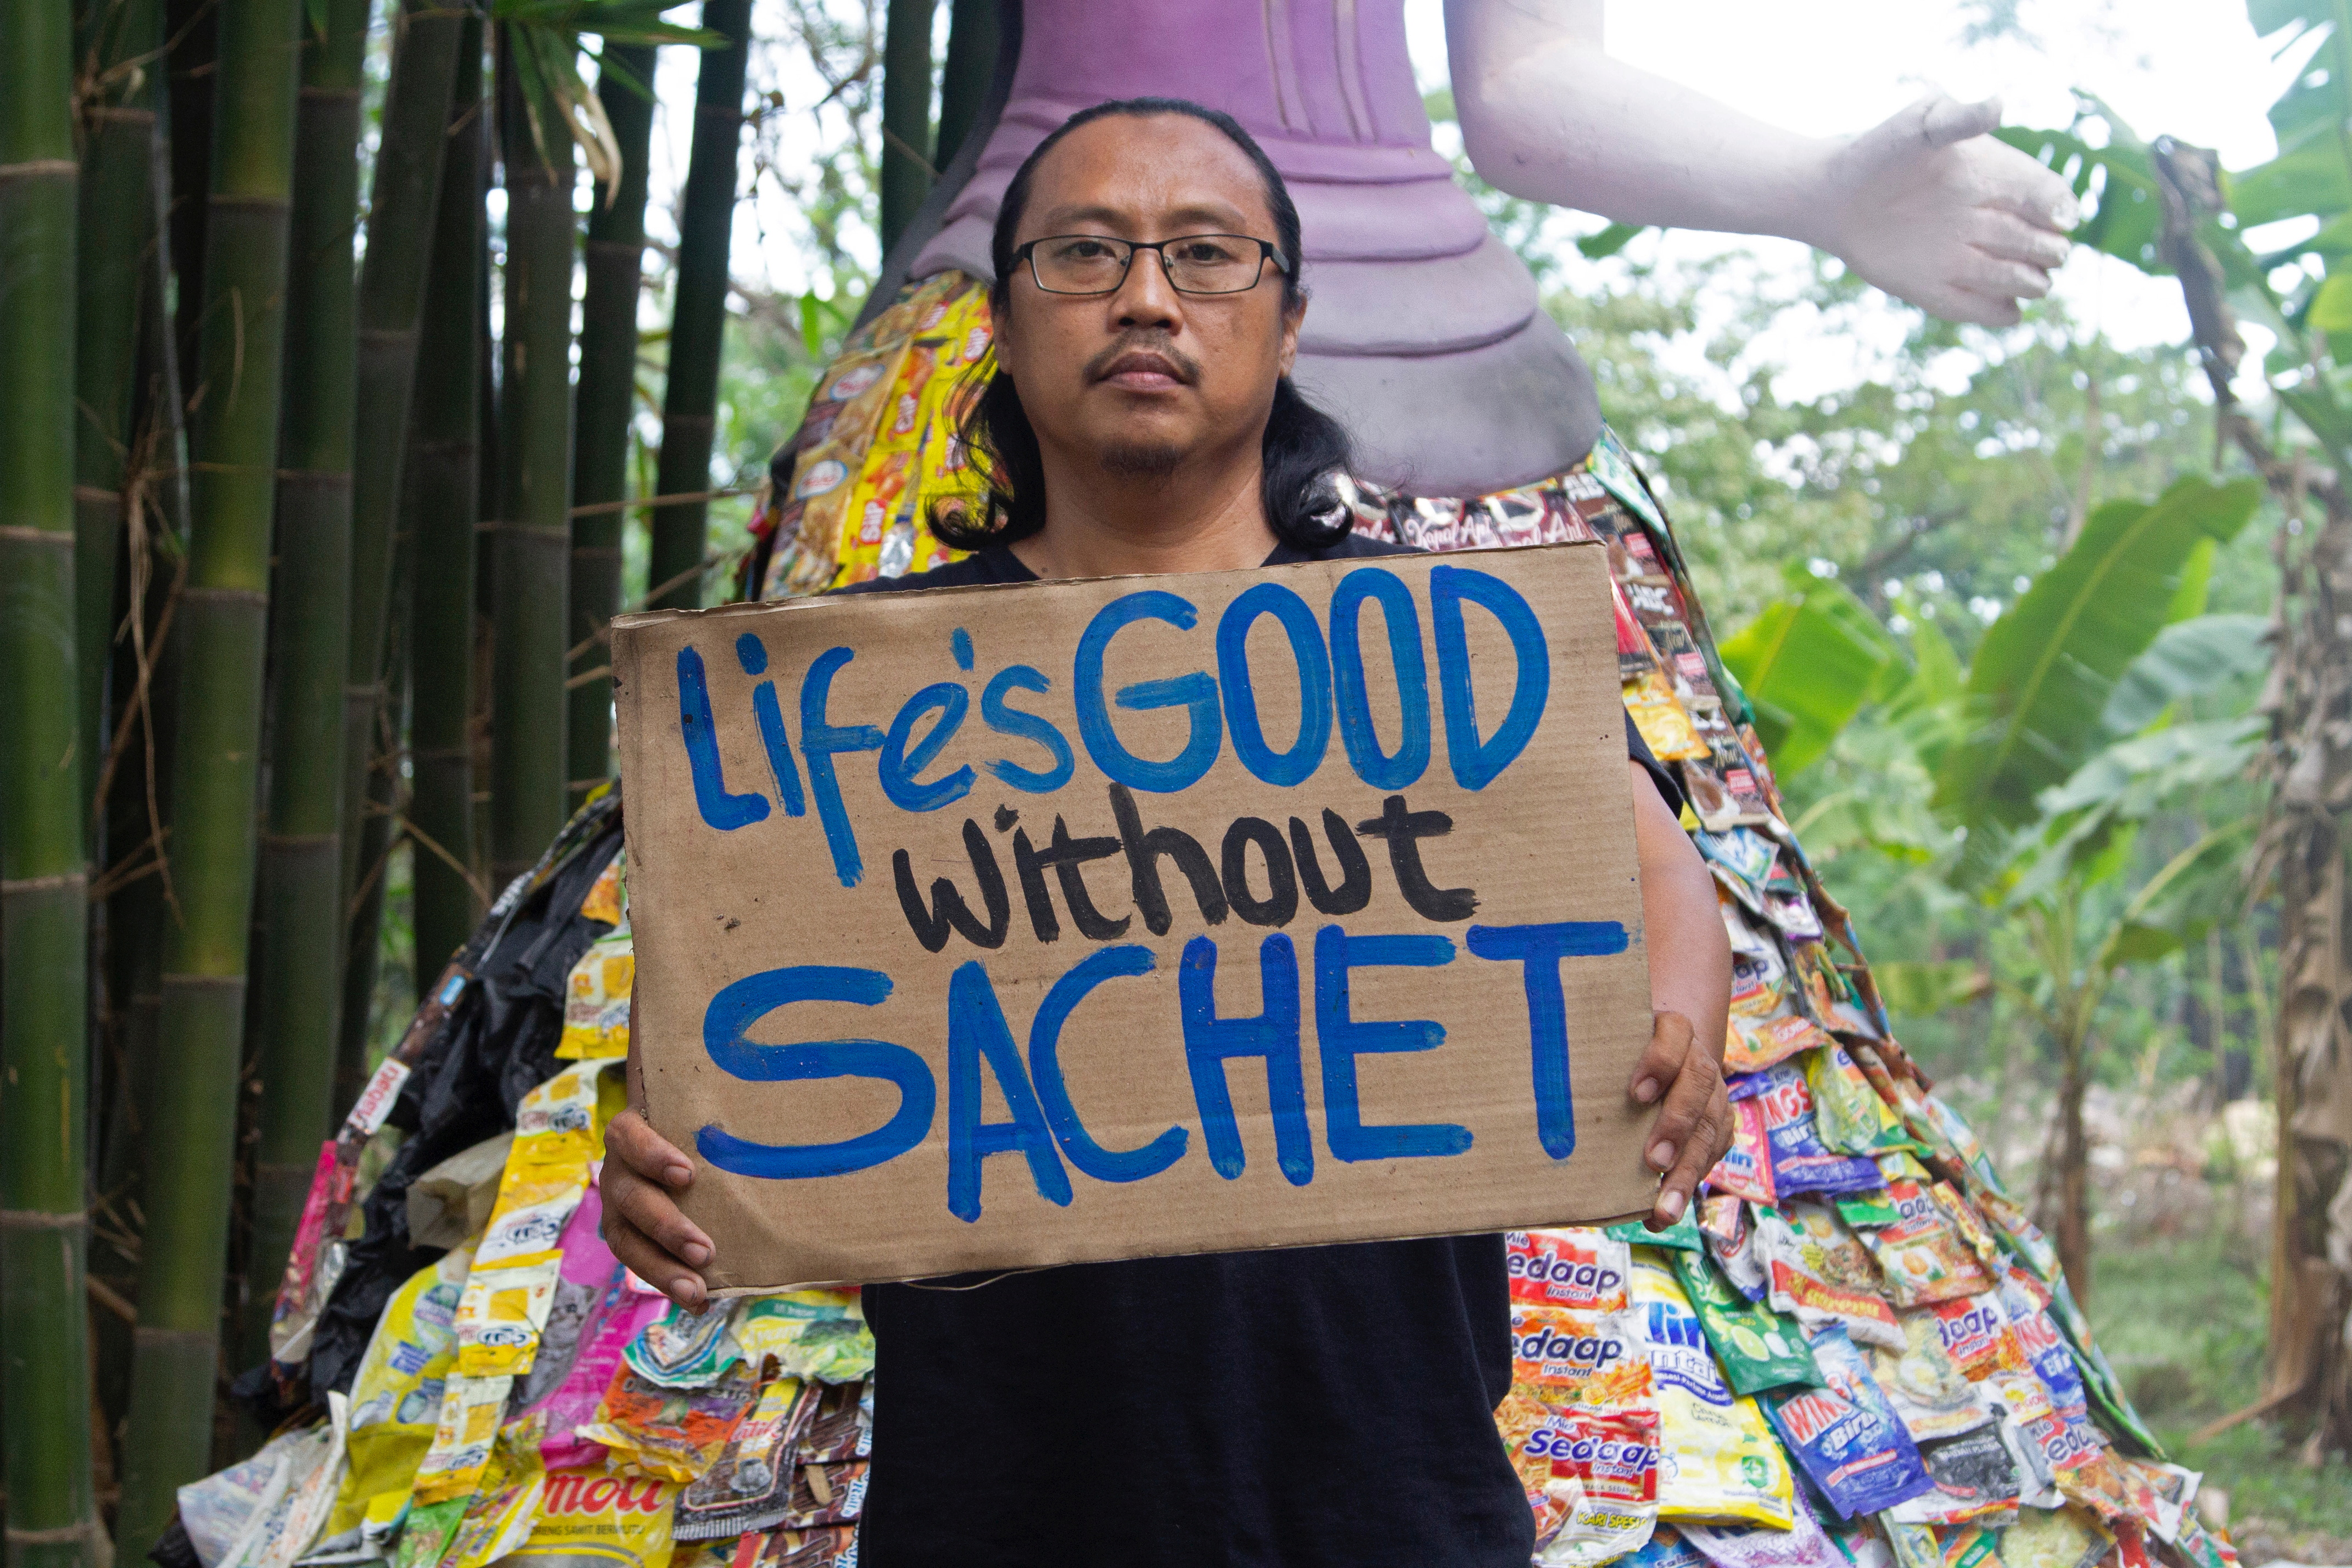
[531,565]
[401,209]
[224,611]
[2075,1166]
[44,878]
[698,320]
[907,167]
[608,390]
[442,492]
[297,973]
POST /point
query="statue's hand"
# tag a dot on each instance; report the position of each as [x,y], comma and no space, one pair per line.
[1931,209]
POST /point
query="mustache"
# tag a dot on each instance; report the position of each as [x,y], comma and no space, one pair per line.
[1187,369]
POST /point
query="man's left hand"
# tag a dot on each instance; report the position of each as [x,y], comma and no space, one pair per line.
[1692,1131]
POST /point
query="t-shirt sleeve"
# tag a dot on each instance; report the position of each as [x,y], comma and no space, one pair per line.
[1639,751]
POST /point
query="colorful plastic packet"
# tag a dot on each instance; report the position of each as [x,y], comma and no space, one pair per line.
[2054,1538]
[750,1486]
[1866,1211]
[1600,1486]
[2160,1494]
[1844,1433]
[1579,1358]
[751,1482]
[1852,1117]
[1931,1395]
[1757,1347]
[1801,1161]
[841,1427]
[1973,1479]
[1744,853]
[597,1516]
[1746,1169]
[685,1350]
[620,1314]
[596,999]
[1972,1546]
[1682,1235]
[396,1394]
[1667,1548]
[1822,1274]
[1755,1045]
[2028,1427]
[498,1518]
[831,1546]
[2046,1351]
[1742,1264]
[675,1433]
[827,1494]
[1910,1545]
[463,1435]
[2202,1548]
[1717,1459]
[1861,1543]
[1924,1261]
[1803,1545]
[242,1515]
[1581,1270]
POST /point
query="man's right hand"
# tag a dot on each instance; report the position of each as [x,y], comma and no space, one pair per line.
[643,1171]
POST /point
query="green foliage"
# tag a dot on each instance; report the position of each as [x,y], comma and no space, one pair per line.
[1809,663]
[2046,671]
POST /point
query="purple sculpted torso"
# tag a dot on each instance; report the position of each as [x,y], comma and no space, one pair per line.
[1424,335]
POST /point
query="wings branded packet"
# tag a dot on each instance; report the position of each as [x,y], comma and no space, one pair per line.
[1822,1274]
[1717,1459]
[1924,1261]
[1581,1270]
[1757,1347]
[1845,1435]
[1801,1163]
[1600,1500]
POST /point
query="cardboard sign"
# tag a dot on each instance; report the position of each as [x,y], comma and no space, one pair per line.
[1001,927]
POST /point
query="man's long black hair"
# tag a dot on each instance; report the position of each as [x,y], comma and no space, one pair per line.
[1303,445]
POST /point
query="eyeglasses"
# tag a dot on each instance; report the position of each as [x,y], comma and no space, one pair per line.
[1194,263]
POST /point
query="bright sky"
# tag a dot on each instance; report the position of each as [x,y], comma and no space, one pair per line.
[2190,68]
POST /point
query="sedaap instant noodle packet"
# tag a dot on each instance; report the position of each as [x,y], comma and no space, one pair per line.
[1579,1270]
[1822,1274]
[1600,1496]
[1924,1261]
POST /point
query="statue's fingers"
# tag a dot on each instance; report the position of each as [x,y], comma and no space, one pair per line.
[1996,277]
[1977,309]
[2026,186]
[2003,234]
[1947,119]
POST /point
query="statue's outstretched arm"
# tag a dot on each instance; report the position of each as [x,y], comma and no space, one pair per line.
[1925,206]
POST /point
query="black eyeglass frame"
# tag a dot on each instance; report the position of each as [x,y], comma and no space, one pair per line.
[1266,251]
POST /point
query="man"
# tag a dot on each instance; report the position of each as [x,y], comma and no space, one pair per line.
[1316,1405]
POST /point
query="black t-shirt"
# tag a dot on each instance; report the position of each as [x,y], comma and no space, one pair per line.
[1305,1406]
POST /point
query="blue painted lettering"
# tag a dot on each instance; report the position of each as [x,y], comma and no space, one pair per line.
[977,1033]
[1539,949]
[899,766]
[1006,719]
[699,727]
[1475,763]
[1340,1040]
[1209,1042]
[1376,768]
[821,741]
[1305,754]
[1045,1068]
[1196,692]
[731,1015]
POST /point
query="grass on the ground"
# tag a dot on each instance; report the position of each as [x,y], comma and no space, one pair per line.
[2184,1320]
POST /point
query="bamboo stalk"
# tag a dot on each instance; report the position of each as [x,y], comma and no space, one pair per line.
[441,493]
[532,548]
[401,207]
[233,453]
[608,387]
[297,973]
[699,319]
[44,1450]
[906,166]
[973,38]
[117,222]
[191,29]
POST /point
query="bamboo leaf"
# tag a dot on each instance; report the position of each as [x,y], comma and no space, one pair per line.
[2046,671]
[1609,241]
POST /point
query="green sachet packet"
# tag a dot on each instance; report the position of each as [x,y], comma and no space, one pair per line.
[1866,1211]
[1759,1348]
[1682,1235]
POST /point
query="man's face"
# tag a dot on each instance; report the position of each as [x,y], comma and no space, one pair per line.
[1140,379]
